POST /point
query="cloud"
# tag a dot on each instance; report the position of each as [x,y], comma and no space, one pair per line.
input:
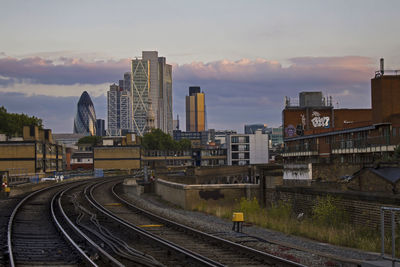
[64,70]
[252,91]
[237,92]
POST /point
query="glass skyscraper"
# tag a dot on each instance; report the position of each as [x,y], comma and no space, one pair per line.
[85,118]
[151,83]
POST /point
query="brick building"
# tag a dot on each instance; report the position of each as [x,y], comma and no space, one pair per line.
[316,132]
[34,153]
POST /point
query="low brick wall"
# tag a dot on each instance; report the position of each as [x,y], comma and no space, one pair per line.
[191,196]
[363,208]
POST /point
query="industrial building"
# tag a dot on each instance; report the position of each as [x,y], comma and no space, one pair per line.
[316,132]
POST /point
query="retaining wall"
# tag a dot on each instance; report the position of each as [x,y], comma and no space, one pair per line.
[192,196]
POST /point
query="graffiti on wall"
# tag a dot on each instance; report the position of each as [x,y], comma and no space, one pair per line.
[318,121]
[290,130]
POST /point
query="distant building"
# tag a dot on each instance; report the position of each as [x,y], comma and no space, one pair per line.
[100,127]
[276,137]
[34,153]
[151,84]
[119,111]
[195,110]
[176,123]
[220,136]
[252,128]
[315,132]
[85,118]
[246,149]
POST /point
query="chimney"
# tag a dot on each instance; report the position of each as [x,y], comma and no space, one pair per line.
[382,66]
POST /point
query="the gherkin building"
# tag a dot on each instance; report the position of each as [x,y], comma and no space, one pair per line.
[85,118]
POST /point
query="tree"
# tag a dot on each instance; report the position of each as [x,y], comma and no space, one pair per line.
[12,124]
[92,140]
[158,140]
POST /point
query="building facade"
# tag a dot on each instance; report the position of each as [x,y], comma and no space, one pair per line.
[151,86]
[119,111]
[34,153]
[100,127]
[195,110]
[85,118]
[322,134]
[246,149]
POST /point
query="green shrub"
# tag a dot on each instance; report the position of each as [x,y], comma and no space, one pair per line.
[327,212]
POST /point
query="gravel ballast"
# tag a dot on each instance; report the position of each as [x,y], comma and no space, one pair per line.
[305,251]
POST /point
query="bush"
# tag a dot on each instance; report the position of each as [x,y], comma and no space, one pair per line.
[327,213]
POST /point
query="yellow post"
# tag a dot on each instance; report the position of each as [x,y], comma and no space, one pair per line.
[237,219]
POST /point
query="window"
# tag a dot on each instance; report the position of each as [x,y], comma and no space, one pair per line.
[394,131]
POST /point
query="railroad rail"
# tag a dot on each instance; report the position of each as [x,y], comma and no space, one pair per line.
[32,237]
[210,249]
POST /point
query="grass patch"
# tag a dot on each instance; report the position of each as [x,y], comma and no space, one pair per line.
[328,223]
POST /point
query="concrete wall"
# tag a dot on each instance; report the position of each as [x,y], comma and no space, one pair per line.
[192,196]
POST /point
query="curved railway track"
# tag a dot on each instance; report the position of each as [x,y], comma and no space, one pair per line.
[212,250]
[87,223]
[33,238]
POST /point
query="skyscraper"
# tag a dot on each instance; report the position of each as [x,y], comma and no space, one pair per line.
[119,110]
[85,118]
[151,82]
[195,110]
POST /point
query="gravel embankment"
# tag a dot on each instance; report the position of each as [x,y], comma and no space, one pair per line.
[294,248]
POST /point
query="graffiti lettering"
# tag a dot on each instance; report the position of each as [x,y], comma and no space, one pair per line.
[320,122]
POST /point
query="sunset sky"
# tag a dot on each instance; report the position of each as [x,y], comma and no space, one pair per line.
[245,55]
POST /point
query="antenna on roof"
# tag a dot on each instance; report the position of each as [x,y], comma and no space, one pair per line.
[382,69]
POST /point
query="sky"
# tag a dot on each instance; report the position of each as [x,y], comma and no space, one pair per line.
[245,55]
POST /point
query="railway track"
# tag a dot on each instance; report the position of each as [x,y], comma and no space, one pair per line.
[211,250]
[32,236]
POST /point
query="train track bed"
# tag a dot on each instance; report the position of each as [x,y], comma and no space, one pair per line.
[34,237]
[213,249]
[305,251]
[122,244]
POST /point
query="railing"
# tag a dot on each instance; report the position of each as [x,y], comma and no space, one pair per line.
[393,224]
[301,148]
[366,143]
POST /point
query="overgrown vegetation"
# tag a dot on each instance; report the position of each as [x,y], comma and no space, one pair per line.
[158,140]
[328,222]
[12,124]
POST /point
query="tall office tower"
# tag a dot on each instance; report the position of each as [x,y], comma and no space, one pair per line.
[85,118]
[100,127]
[195,110]
[119,111]
[151,82]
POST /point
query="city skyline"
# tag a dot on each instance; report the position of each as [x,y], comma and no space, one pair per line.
[247,65]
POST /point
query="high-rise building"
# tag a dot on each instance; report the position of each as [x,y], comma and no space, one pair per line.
[195,110]
[151,82]
[85,118]
[100,127]
[119,110]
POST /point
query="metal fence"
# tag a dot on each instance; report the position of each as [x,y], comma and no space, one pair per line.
[393,225]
